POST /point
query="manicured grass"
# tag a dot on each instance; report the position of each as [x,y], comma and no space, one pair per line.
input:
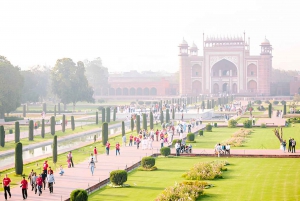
[241,120]
[259,137]
[246,179]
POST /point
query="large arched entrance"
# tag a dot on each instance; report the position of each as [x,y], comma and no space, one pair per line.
[216,88]
[153,91]
[234,88]
[196,87]
[252,86]
[225,88]
[118,91]
[132,91]
[146,91]
[125,91]
[139,91]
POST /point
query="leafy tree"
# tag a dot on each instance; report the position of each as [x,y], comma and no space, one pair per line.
[11,83]
[97,75]
[69,82]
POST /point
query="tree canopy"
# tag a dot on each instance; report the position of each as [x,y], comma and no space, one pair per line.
[11,83]
[69,82]
[97,75]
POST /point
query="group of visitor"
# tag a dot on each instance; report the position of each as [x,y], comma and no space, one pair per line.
[291,145]
[222,149]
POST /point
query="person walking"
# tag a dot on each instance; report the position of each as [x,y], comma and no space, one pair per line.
[24,186]
[117,148]
[290,145]
[283,145]
[95,154]
[6,186]
[33,181]
[130,140]
[50,179]
[70,156]
[293,145]
[92,166]
[138,143]
[61,170]
[39,184]
[107,147]
[45,167]
[161,142]
[44,176]
[177,147]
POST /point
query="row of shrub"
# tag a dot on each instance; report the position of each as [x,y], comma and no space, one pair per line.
[238,138]
[206,170]
[294,120]
[275,102]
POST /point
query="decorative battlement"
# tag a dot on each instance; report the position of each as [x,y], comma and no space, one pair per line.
[212,41]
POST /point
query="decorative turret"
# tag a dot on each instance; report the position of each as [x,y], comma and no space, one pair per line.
[183,48]
[266,47]
[194,50]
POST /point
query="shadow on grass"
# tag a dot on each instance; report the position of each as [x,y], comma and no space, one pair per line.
[207,196]
[170,170]
[147,187]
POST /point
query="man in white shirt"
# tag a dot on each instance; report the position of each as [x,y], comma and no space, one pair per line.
[228,149]
[177,147]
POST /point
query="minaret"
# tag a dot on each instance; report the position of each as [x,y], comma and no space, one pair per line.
[184,69]
[265,68]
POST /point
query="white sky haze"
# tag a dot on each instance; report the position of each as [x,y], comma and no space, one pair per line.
[141,35]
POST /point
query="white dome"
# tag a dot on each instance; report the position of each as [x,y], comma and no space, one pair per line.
[266,42]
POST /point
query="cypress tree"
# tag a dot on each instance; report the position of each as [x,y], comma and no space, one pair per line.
[270,110]
[52,121]
[123,128]
[173,113]
[72,123]
[45,107]
[30,135]
[138,123]
[212,103]
[2,136]
[19,158]
[115,114]
[104,133]
[63,127]
[284,109]
[161,117]
[55,110]
[144,121]
[131,124]
[58,105]
[103,115]
[43,128]
[17,132]
[167,116]
[203,105]
[54,149]
[151,120]
[207,104]
[107,114]
[24,110]
[97,118]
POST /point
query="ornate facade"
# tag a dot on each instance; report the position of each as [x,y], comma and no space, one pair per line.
[225,67]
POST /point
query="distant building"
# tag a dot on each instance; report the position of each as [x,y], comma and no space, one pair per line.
[146,83]
[225,67]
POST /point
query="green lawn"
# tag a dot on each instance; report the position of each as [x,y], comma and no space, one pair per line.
[259,137]
[247,179]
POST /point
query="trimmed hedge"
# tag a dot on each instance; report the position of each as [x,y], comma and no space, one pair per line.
[54,149]
[19,158]
[148,162]
[2,136]
[43,128]
[208,127]
[118,177]
[97,118]
[145,121]
[151,120]
[165,151]
[104,133]
[107,114]
[8,119]
[215,124]
[123,128]
[131,124]
[72,123]
[247,124]
[52,121]
[190,137]
[232,123]
[103,115]
[17,132]
[79,195]
[30,131]
[200,132]
[138,123]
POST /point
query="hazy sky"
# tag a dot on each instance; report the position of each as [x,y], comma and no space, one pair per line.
[141,35]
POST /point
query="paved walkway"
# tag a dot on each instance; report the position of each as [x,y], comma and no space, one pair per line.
[80,176]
